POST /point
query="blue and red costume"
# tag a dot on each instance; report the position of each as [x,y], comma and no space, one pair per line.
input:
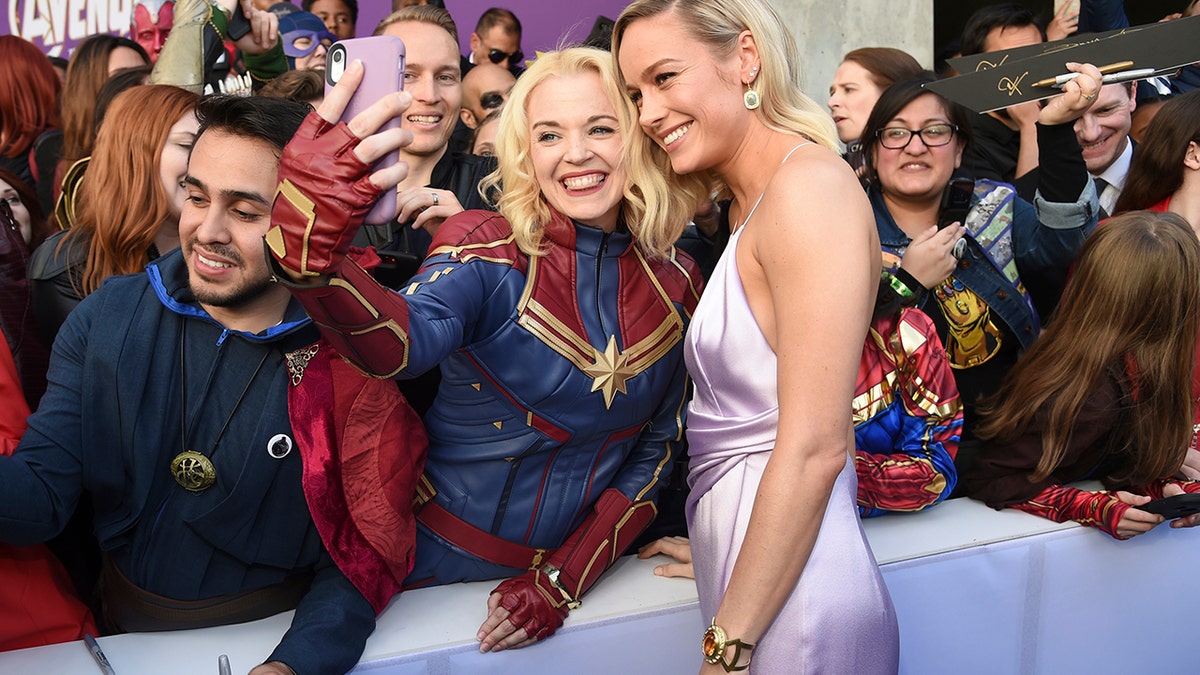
[561,406]
[907,417]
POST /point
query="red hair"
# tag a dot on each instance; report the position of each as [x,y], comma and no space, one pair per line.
[29,90]
[121,199]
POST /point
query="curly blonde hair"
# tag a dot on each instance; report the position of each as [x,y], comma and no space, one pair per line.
[653,210]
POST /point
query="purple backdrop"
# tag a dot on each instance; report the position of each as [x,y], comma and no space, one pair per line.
[544,23]
[57,25]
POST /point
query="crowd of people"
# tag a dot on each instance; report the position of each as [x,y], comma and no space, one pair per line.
[641,294]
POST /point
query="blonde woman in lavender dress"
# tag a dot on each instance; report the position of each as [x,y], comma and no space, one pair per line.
[780,557]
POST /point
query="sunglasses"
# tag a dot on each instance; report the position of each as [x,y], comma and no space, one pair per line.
[497,56]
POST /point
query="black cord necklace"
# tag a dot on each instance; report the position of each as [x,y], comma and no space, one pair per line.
[194,471]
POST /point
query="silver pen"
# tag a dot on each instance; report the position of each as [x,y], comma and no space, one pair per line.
[98,654]
[223,665]
[1060,80]
[1126,75]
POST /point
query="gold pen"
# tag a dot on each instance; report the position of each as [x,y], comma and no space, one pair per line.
[1060,80]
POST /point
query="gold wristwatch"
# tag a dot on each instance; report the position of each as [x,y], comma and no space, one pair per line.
[552,573]
[715,643]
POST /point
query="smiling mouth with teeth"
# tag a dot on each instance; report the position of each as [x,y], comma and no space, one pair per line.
[677,134]
[425,119]
[212,263]
[583,182]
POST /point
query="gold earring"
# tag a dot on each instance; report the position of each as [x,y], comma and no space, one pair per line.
[751,99]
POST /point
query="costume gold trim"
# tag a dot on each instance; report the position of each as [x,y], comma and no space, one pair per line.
[306,207]
[297,362]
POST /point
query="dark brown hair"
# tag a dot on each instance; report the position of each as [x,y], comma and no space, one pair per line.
[895,98]
[87,72]
[39,229]
[885,65]
[1132,309]
[1157,168]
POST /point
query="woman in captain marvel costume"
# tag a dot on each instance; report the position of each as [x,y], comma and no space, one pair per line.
[558,326]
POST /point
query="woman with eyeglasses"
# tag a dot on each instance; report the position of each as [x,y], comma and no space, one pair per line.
[967,274]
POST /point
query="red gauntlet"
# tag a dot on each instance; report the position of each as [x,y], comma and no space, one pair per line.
[324,193]
[539,600]
[1059,503]
[365,322]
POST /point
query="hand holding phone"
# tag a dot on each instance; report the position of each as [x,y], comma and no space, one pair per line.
[382,57]
[1176,506]
[956,202]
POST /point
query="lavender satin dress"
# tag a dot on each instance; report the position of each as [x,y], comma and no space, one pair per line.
[839,618]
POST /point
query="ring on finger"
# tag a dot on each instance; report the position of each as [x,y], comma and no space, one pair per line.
[435,198]
[1087,96]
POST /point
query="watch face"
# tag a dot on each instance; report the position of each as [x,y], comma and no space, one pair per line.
[713,644]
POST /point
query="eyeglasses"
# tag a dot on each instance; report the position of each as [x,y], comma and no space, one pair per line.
[497,56]
[491,100]
[934,135]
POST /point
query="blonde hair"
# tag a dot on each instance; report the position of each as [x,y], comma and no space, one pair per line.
[718,23]
[420,14]
[654,211]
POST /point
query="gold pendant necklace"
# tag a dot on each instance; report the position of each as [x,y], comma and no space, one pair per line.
[194,471]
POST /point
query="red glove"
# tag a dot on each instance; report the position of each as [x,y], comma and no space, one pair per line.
[324,193]
[539,605]
[531,606]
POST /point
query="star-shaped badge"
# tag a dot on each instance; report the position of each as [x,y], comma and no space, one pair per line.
[610,371]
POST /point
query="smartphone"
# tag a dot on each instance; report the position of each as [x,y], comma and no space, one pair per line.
[1173,507]
[238,26]
[956,202]
[383,73]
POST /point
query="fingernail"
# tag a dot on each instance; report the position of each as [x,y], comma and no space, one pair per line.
[658,572]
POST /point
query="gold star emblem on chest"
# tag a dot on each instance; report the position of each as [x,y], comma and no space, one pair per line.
[610,371]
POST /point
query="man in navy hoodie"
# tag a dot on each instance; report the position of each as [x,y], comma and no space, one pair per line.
[169,407]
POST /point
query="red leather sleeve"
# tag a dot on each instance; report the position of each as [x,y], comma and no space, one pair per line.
[362,320]
[1061,503]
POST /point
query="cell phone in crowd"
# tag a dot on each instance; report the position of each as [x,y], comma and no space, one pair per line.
[239,25]
[956,202]
[1175,506]
[383,73]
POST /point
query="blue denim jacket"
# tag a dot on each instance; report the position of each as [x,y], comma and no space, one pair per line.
[1046,238]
